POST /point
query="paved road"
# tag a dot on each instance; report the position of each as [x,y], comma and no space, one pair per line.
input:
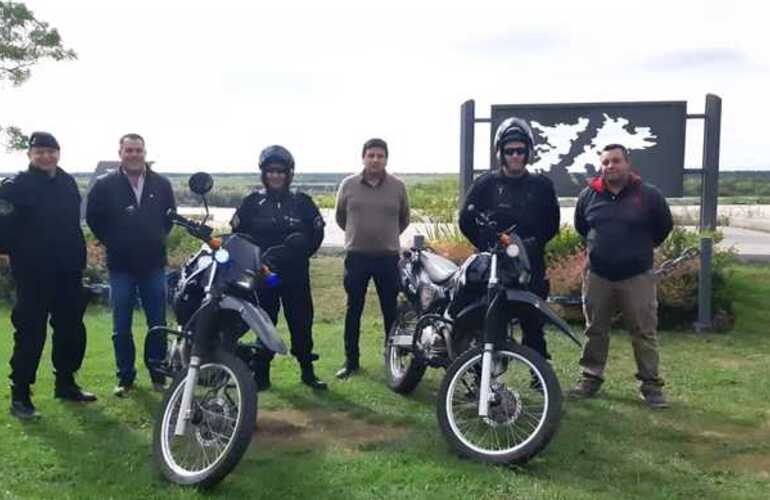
[752,245]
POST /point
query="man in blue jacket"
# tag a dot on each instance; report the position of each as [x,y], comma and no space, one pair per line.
[622,220]
[126,211]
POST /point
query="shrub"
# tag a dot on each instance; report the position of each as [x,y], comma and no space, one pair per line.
[565,243]
[179,246]
[677,293]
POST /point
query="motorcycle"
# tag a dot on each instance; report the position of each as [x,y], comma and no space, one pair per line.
[499,402]
[209,412]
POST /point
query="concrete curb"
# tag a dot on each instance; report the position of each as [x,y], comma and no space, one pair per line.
[753,224]
[746,258]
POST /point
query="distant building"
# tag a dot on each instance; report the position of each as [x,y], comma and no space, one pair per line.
[102,168]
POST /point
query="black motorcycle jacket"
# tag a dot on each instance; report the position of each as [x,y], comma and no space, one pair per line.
[528,201]
[268,217]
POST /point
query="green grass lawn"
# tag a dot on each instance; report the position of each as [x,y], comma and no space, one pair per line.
[359,440]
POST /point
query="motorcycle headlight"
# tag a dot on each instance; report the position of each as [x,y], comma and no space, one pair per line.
[247,281]
[512,250]
[222,256]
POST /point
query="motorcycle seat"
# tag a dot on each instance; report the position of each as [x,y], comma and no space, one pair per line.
[439,268]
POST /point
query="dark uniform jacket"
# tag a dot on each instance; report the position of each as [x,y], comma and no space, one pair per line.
[528,201]
[621,230]
[40,222]
[134,234]
[270,216]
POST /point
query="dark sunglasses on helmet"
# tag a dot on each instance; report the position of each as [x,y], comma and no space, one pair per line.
[278,170]
[515,151]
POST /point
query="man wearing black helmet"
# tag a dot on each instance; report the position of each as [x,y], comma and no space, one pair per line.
[269,216]
[40,224]
[512,195]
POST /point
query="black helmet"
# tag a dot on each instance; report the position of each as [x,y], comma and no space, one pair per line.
[280,155]
[514,129]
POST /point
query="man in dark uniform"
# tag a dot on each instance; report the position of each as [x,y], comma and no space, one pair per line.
[512,195]
[269,216]
[40,219]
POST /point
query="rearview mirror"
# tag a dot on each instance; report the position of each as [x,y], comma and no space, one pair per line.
[200,183]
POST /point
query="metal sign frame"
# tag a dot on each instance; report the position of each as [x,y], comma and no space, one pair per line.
[709,173]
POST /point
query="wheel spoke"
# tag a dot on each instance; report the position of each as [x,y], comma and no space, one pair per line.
[216,411]
[516,410]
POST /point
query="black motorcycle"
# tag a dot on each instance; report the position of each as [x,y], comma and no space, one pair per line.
[209,412]
[499,402]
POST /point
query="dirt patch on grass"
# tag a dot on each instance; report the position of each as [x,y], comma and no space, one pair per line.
[732,447]
[754,464]
[733,362]
[311,429]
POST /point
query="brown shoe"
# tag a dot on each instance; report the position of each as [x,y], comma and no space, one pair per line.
[654,398]
[587,387]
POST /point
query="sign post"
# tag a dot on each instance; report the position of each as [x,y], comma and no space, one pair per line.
[569,138]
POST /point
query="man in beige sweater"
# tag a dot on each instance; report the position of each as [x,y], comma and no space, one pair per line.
[373,210]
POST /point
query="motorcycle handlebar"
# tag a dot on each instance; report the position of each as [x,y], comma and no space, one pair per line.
[200,231]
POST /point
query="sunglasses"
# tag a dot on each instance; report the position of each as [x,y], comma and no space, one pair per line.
[275,171]
[515,151]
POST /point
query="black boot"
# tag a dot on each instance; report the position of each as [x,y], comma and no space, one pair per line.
[309,378]
[67,389]
[21,404]
[262,375]
[347,371]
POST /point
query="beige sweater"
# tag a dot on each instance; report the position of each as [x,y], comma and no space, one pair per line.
[372,217]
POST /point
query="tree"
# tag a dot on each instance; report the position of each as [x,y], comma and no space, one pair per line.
[24,41]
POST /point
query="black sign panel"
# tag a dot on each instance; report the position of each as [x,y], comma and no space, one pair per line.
[569,137]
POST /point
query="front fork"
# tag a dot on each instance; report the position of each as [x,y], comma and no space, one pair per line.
[485,389]
[204,326]
[185,409]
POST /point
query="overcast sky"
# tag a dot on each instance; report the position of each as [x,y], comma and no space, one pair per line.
[210,83]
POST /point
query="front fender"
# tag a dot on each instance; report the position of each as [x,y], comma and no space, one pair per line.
[258,321]
[539,304]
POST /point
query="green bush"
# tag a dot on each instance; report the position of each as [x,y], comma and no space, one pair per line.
[565,243]
[678,293]
[180,246]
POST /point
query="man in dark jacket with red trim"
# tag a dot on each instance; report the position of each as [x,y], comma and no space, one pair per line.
[622,220]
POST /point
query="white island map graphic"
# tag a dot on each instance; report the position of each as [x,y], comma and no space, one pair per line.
[559,142]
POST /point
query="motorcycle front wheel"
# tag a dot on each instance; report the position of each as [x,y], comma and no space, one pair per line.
[524,409]
[224,415]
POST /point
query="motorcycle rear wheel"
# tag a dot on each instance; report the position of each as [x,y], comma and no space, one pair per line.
[403,370]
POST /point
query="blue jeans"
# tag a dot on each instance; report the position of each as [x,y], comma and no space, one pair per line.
[152,292]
